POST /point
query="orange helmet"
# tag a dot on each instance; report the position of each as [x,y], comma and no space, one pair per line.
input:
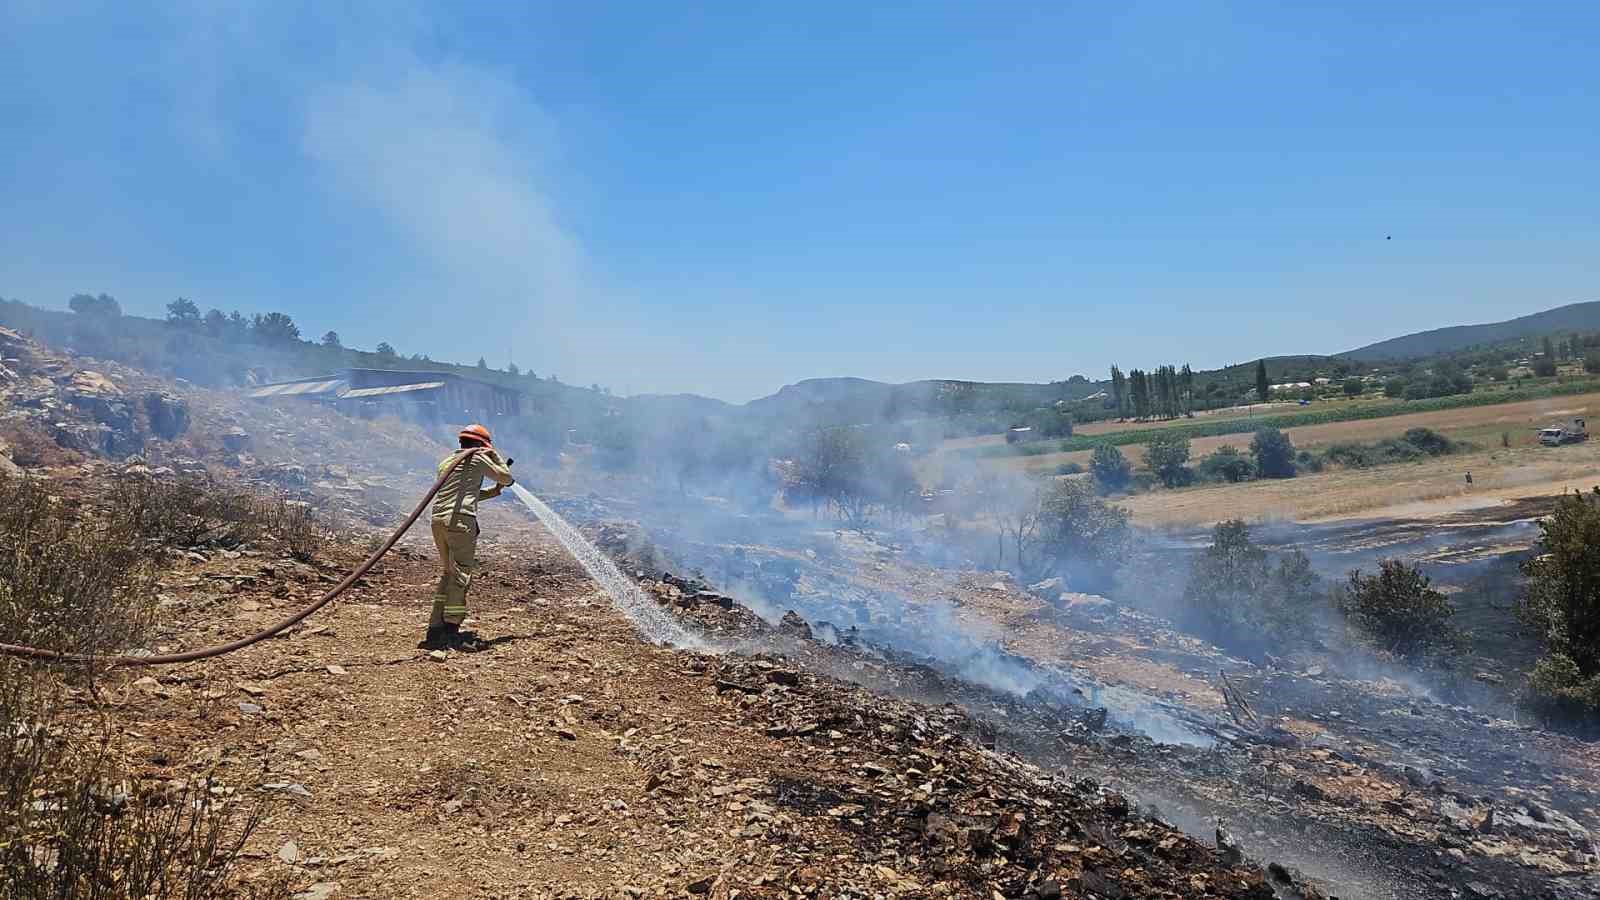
[476,432]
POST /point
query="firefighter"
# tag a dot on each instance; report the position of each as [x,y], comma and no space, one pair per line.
[455,529]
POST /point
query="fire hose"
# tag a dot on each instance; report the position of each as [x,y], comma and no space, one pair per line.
[168,659]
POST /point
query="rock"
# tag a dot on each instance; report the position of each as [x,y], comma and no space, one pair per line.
[236,440]
[452,806]
[701,885]
[322,890]
[169,415]
[794,626]
[8,469]
[337,670]
[1490,678]
[566,734]
[1047,889]
[438,655]
[1046,586]
[783,677]
[250,709]
[289,852]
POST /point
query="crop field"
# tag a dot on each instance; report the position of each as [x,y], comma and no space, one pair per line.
[1327,412]
[1419,490]
[1499,427]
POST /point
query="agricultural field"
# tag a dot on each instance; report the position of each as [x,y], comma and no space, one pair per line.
[1483,425]
[1421,490]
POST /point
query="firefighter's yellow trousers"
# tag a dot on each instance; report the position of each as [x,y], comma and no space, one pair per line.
[458,556]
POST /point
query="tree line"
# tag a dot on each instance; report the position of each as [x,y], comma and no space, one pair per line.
[1166,393]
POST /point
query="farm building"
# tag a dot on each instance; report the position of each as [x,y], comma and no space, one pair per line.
[426,396]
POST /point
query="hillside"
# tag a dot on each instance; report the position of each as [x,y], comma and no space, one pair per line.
[1572,317]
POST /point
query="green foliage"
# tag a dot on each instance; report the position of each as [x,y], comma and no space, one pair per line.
[1166,456]
[1354,387]
[1239,597]
[1394,388]
[274,328]
[1591,362]
[103,306]
[1415,444]
[386,350]
[1544,367]
[1273,452]
[1562,601]
[1085,535]
[1226,463]
[331,339]
[183,313]
[1263,387]
[1109,467]
[1399,612]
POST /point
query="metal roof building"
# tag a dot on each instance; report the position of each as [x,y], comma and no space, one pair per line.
[428,396]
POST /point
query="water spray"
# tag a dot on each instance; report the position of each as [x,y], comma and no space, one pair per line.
[652,622]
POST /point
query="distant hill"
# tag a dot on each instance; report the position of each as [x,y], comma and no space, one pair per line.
[1572,317]
[861,400]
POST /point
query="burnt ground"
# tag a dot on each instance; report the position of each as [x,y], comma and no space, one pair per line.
[1364,778]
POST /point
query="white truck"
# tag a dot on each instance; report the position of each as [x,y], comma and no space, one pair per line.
[1568,432]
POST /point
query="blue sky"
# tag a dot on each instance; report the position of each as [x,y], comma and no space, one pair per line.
[726,197]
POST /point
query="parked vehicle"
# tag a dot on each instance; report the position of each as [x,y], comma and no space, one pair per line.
[1568,432]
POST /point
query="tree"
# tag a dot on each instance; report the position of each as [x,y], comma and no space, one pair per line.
[274,328]
[1394,388]
[1562,601]
[1083,534]
[483,364]
[1166,455]
[1119,391]
[1226,463]
[1398,611]
[331,339]
[1273,452]
[1238,598]
[1353,387]
[1139,393]
[385,350]
[103,306]
[215,323]
[1548,348]
[1591,362]
[183,313]
[1544,367]
[512,370]
[1263,387]
[1109,467]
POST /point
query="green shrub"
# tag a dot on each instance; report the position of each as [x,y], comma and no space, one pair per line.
[1110,467]
[1273,452]
[1562,601]
[1237,597]
[1226,463]
[1166,456]
[1398,611]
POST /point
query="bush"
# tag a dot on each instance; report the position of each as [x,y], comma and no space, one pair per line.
[1226,463]
[1110,467]
[73,821]
[1238,598]
[1562,601]
[1354,387]
[1544,368]
[1429,441]
[1274,453]
[1069,468]
[1394,388]
[1166,456]
[1398,612]
[1591,362]
[1082,533]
